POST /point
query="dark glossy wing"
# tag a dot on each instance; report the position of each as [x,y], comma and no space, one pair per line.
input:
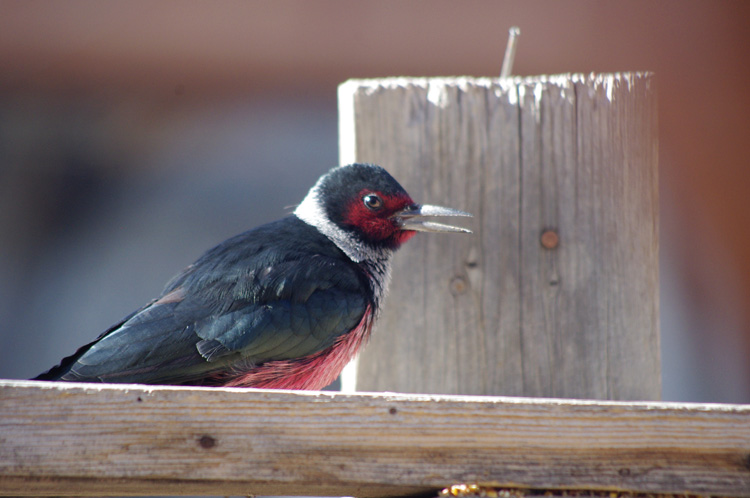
[256,298]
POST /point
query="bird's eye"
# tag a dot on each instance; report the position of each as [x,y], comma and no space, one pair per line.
[373,202]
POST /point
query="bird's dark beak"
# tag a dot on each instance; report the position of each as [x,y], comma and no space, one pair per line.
[413,218]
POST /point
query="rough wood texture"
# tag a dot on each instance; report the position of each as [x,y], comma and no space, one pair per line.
[76,439]
[556,294]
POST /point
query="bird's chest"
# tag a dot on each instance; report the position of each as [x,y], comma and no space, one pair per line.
[310,372]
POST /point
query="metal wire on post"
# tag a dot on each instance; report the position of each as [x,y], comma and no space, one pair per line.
[510,51]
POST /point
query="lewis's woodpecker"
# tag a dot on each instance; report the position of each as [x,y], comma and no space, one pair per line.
[285,305]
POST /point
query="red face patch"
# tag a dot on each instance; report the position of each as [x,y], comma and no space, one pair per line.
[370,212]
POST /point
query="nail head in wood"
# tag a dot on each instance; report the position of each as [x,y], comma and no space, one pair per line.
[550,239]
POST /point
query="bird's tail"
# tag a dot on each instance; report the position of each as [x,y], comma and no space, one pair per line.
[58,372]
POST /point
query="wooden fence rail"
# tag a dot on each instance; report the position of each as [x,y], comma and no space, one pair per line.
[85,439]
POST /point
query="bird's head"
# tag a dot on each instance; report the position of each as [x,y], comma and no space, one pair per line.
[362,203]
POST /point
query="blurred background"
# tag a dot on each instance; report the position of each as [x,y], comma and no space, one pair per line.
[135,135]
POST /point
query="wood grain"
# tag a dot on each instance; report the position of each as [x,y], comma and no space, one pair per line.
[77,439]
[498,312]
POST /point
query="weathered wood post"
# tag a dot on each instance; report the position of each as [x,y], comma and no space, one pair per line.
[556,293]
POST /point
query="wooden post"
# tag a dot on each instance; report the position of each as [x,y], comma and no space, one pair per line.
[556,293]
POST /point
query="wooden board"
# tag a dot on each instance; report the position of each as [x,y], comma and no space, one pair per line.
[500,312]
[77,439]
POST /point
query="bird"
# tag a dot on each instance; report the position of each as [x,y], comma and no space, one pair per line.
[285,305]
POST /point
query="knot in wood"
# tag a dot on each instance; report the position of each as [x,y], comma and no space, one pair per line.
[458,285]
[207,442]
